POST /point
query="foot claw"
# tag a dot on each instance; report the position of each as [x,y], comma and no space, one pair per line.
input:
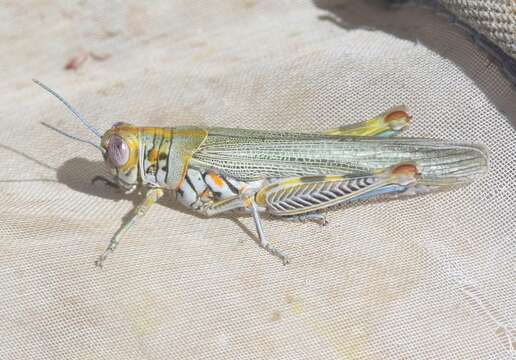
[279,254]
[100,261]
[324,222]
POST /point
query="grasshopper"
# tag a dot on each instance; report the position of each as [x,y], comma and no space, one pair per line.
[292,175]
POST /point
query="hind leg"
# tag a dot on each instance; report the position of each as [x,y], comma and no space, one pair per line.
[389,123]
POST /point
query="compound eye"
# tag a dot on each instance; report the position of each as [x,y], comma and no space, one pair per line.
[118,151]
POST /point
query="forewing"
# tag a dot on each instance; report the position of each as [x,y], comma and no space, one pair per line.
[249,155]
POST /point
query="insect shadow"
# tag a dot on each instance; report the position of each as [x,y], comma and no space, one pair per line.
[76,173]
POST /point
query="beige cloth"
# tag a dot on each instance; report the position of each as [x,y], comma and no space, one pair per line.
[428,277]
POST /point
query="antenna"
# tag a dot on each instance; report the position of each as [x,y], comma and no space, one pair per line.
[79,116]
[71,136]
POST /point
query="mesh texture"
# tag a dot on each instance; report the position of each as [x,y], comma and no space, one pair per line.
[427,277]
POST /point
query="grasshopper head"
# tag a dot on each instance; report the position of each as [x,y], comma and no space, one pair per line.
[120,150]
[119,145]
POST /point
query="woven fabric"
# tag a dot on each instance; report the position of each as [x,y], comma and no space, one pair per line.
[495,19]
[428,277]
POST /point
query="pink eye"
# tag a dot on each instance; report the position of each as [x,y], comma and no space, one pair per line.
[118,151]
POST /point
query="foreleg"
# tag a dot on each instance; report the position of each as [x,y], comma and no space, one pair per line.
[151,198]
